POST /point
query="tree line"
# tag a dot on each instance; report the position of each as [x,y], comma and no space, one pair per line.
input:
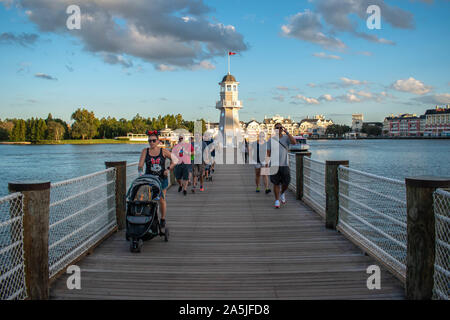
[340,130]
[86,126]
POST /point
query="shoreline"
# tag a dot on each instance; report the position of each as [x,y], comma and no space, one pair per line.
[74,142]
[113,141]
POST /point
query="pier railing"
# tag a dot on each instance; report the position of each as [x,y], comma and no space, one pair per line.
[82,212]
[46,227]
[442,254]
[132,173]
[314,185]
[404,225]
[372,211]
[12,263]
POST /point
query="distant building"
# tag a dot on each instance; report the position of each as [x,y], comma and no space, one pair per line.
[269,123]
[403,125]
[314,127]
[253,128]
[434,123]
[357,122]
[437,122]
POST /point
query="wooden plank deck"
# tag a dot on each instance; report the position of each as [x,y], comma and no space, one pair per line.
[230,243]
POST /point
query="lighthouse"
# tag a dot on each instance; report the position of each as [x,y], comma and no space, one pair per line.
[229,106]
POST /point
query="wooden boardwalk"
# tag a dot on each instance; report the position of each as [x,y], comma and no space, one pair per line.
[230,243]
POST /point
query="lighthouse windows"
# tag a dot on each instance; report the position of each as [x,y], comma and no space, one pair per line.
[234,88]
[229,87]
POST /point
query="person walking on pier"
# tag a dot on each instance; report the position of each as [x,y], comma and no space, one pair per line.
[261,151]
[182,152]
[154,159]
[198,169]
[282,178]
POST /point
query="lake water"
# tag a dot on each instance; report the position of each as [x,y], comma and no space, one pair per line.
[390,158]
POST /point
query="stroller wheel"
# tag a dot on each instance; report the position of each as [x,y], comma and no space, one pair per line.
[136,245]
[166,235]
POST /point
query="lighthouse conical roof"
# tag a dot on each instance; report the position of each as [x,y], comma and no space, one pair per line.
[229,78]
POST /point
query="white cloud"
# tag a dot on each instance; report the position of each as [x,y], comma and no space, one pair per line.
[352,82]
[44,76]
[350,97]
[323,55]
[306,99]
[326,97]
[307,26]
[365,94]
[164,67]
[440,98]
[411,85]
[176,33]
[339,16]
[204,65]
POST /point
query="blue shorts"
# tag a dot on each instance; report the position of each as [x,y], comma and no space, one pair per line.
[164,183]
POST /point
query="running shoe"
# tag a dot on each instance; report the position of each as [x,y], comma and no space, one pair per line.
[163,223]
[277,204]
[283,198]
[201,188]
[184,192]
[180,188]
[257,189]
[268,191]
[193,190]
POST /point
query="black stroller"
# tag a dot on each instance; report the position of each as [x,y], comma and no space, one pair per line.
[142,220]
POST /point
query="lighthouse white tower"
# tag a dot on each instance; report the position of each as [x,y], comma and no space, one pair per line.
[229,106]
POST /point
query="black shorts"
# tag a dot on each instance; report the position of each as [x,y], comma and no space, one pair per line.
[283,176]
[181,171]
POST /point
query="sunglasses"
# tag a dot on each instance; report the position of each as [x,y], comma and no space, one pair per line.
[152,140]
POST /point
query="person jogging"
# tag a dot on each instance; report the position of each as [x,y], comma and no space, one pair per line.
[154,159]
[182,152]
[261,151]
[282,178]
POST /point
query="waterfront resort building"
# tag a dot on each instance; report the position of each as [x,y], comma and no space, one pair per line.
[437,122]
[434,123]
[315,127]
[269,123]
[403,125]
[357,122]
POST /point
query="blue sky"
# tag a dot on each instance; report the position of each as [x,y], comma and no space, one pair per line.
[154,57]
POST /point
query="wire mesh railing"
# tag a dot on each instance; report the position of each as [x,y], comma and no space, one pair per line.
[372,211]
[441,205]
[12,265]
[292,172]
[132,173]
[82,212]
[314,185]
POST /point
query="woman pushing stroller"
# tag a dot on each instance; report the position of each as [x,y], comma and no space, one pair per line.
[154,159]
